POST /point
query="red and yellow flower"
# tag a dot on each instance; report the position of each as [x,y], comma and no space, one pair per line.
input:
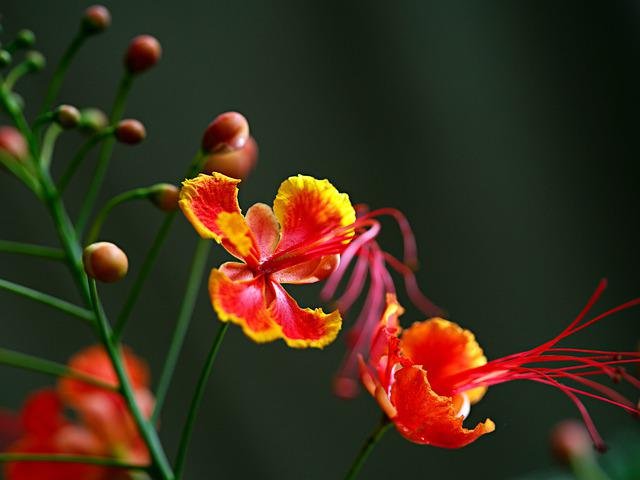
[104,426]
[426,377]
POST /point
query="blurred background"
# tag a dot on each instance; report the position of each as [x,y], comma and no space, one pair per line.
[506,131]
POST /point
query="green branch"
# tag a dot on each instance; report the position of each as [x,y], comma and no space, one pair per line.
[49,300]
[31,250]
[367,448]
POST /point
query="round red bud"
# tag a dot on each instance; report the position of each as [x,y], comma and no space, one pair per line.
[165,197]
[67,116]
[93,120]
[96,19]
[143,53]
[105,262]
[236,164]
[227,132]
[12,143]
[570,439]
[130,131]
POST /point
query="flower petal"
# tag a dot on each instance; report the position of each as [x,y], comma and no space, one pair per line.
[210,203]
[307,208]
[443,348]
[302,328]
[42,414]
[243,302]
[308,272]
[427,418]
[264,225]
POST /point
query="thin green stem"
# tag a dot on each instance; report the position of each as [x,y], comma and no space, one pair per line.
[585,467]
[48,144]
[182,325]
[15,74]
[194,166]
[148,433]
[80,156]
[48,367]
[368,446]
[61,70]
[63,458]
[104,156]
[147,264]
[197,400]
[15,112]
[31,250]
[47,299]
[19,169]
[135,194]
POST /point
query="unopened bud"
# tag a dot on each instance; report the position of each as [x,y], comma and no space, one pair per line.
[93,120]
[227,132]
[143,53]
[236,164]
[130,131]
[570,439]
[96,19]
[67,116]
[17,99]
[25,39]
[5,58]
[35,61]
[165,197]
[105,262]
[12,143]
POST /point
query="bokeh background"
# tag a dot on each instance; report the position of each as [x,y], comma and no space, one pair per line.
[506,131]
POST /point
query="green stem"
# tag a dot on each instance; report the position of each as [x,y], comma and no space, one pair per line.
[32,250]
[128,196]
[368,446]
[182,325]
[16,114]
[585,467]
[80,156]
[196,400]
[63,458]
[15,74]
[48,144]
[148,433]
[147,264]
[61,70]
[49,300]
[104,156]
[19,169]
[40,365]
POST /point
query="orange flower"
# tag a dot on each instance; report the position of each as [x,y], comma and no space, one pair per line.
[104,427]
[427,378]
[310,234]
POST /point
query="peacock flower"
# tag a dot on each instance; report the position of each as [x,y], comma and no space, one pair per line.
[426,377]
[103,426]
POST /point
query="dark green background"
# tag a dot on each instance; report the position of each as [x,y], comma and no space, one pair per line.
[506,131]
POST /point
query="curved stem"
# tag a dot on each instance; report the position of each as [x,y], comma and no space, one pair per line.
[148,262]
[80,156]
[184,317]
[196,400]
[50,300]
[48,144]
[368,446]
[61,70]
[15,112]
[15,74]
[32,250]
[105,155]
[63,458]
[40,365]
[135,194]
[148,433]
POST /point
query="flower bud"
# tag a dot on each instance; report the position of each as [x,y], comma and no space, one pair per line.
[130,131]
[35,61]
[105,262]
[143,53]
[93,120]
[17,99]
[12,143]
[570,439]
[227,132]
[5,58]
[25,39]
[165,197]
[67,116]
[236,164]
[96,19]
